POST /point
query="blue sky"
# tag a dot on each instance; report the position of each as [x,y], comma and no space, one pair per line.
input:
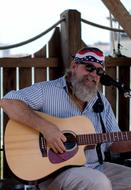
[24,19]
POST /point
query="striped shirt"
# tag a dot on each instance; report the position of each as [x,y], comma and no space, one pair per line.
[52,97]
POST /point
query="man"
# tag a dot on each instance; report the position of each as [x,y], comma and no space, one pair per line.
[74,94]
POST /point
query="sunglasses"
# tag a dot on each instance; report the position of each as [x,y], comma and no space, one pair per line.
[90,68]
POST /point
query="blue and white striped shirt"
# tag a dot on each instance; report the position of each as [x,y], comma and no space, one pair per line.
[52,97]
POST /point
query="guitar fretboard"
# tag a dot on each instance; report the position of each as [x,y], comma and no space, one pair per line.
[103,137]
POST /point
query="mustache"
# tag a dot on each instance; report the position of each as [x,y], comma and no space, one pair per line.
[90,78]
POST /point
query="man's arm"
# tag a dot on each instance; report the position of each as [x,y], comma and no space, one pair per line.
[20,112]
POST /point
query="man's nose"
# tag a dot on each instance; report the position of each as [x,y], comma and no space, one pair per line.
[93,73]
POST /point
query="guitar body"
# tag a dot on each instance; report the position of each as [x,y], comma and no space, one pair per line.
[23,152]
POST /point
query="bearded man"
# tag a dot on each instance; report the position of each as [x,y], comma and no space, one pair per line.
[74,94]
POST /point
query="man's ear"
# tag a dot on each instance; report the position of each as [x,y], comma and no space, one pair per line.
[73,66]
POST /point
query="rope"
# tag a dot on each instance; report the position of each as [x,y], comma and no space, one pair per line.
[31,39]
[112,34]
[53,26]
[100,26]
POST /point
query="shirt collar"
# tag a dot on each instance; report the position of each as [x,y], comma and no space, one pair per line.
[61,83]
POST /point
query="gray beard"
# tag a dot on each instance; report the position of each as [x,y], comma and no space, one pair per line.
[83,92]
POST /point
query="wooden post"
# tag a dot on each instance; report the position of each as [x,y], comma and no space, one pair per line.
[70,35]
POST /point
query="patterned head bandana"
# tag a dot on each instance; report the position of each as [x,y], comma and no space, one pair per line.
[89,54]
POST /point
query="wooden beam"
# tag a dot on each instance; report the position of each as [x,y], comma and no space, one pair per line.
[117,61]
[120,13]
[28,62]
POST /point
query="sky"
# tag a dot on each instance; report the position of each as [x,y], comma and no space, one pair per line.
[21,20]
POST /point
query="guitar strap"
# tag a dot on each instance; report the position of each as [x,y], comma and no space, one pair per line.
[98,107]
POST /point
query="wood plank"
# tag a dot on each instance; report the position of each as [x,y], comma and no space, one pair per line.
[9,79]
[9,83]
[120,13]
[117,61]
[55,51]
[124,75]
[41,53]
[110,91]
[25,77]
[28,62]
[40,73]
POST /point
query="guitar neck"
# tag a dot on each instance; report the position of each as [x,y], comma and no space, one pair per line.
[103,138]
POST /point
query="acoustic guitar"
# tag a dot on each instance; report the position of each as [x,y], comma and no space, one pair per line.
[30,158]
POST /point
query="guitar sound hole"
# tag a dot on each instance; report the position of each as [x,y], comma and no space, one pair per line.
[71,141]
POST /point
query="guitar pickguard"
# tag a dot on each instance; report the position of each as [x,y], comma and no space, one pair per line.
[56,158]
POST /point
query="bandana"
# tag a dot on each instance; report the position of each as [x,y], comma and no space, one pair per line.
[89,54]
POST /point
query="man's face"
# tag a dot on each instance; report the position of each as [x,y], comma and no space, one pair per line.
[90,78]
[85,79]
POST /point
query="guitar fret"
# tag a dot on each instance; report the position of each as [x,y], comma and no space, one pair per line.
[98,138]
[104,137]
[121,136]
[114,136]
[79,139]
[126,136]
[84,138]
[110,137]
[90,139]
[95,138]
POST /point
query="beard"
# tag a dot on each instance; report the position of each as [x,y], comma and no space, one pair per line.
[82,91]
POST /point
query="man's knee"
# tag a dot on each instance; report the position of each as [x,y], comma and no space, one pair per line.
[80,178]
[98,182]
[102,184]
[87,179]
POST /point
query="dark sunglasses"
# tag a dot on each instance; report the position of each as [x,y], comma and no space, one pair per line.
[90,68]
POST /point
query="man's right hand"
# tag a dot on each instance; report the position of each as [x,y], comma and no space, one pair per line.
[55,138]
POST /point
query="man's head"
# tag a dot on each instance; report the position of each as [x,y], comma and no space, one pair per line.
[86,68]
